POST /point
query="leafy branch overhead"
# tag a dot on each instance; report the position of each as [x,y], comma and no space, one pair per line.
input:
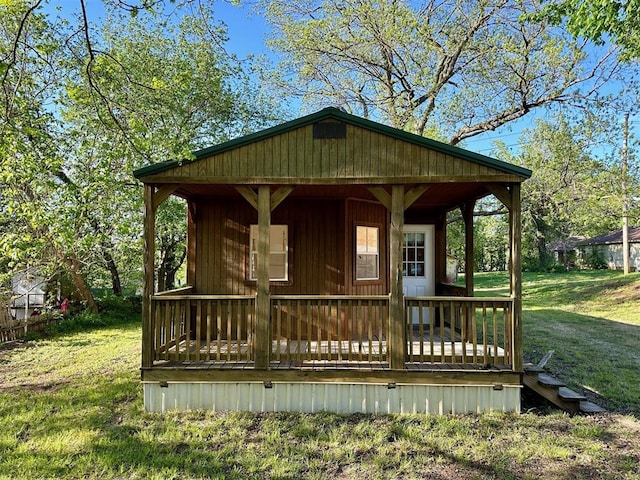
[84,105]
[457,67]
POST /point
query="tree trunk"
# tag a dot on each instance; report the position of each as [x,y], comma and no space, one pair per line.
[116,285]
[73,266]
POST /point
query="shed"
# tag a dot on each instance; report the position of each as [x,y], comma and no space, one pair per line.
[316,273]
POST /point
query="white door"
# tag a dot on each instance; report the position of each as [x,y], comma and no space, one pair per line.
[418,270]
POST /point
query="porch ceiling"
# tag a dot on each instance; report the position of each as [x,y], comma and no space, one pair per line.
[439,196]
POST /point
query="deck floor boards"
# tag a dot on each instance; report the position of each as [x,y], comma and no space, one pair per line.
[334,354]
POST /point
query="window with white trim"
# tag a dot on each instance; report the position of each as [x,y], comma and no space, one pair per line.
[367,253]
[278,254]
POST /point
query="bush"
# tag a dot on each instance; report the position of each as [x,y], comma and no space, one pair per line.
[113,311]
[594,258]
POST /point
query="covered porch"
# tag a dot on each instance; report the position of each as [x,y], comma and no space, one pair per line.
[303,261]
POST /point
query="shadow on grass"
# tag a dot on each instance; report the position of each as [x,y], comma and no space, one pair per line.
[99,430]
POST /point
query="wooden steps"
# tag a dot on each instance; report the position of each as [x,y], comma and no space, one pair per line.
[556,392]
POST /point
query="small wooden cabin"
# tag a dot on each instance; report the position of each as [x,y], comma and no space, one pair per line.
[316,276]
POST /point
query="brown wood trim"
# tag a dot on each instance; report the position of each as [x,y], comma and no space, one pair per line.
[515,224]
[397,343]
[381,195]
[354,253]
[414,194]
[163,193]
[501,193]
[243,373]
[280,195]
[249,195]
[178,293]
[346,180]
[467,213]
[263,303]
[149,267]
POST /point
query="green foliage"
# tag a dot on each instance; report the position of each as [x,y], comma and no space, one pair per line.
[594,258]
[458,67]
[571,192]
[599,20]
[80,113]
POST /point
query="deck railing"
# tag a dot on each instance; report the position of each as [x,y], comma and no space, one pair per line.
[341,328]
[203,327]
[459,330]
[333,329]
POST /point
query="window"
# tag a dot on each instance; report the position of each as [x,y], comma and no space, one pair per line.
[278,255]
[367,253]
[413,255]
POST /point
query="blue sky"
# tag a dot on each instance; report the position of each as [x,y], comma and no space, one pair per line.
[247,33]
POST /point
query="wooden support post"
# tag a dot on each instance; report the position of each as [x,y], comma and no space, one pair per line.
[263,301]
[396,299]
[191,242]
[469,314]
[515,264]
[441,249]
[149,270]
[467,212]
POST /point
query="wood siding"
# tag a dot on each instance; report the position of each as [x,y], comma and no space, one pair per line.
[364,154]
[316,247]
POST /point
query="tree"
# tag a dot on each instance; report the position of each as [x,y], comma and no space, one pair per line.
[616,20]
[571,192]
[458,67]
[81,112]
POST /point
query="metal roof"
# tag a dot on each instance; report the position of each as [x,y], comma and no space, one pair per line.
[612,238]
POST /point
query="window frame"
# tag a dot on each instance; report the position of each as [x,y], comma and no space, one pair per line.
[253,253]
[378,254]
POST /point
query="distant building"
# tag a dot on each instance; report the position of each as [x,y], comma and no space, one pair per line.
[607,248]
[564,251]
[28,294]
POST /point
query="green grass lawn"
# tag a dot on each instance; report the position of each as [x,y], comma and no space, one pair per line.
[71,407]
[591,320]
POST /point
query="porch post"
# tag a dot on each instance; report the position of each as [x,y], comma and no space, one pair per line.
[515,233]
[441,250]
[149,269]
[263,301]
[397,328]
[467,212]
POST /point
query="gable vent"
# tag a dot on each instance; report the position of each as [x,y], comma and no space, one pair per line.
[322,130]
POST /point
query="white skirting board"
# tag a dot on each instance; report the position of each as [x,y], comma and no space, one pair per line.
[333,397]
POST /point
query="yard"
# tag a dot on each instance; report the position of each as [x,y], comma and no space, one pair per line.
[71,407]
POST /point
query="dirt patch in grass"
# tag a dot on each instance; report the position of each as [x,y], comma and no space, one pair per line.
[624,293]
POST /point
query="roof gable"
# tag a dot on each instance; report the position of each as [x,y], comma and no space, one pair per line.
[352,148]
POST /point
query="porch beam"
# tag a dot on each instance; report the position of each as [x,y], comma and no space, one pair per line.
[249,195]
[502,193]
[263,302]
[396,298]
[162,194]
[149,267]
[382,196]
[515,264]
[279,195]
[414,194]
